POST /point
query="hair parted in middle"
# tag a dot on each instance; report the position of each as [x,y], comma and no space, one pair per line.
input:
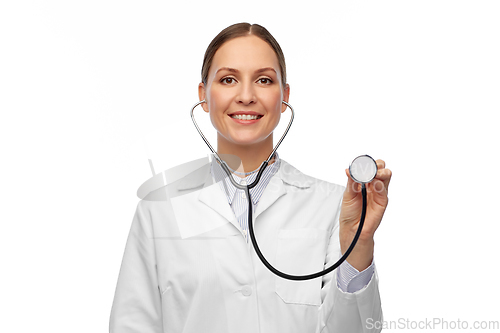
[241,30]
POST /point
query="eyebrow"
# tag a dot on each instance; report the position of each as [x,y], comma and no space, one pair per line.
[234,70]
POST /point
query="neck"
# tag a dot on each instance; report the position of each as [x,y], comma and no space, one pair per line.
[245,158]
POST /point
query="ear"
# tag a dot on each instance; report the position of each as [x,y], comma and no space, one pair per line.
[286,95]
[202,94]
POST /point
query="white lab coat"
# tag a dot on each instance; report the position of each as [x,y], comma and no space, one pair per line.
[187,267]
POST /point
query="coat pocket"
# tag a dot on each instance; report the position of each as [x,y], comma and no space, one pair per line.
[300,252]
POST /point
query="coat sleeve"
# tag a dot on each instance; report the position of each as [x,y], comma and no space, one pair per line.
[137,303]
[357,312]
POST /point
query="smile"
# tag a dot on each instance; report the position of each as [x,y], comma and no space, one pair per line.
[245,116]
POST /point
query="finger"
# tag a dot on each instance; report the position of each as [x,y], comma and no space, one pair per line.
[384,175]
[352,188]
[380,164]
[378,192]
[377,186]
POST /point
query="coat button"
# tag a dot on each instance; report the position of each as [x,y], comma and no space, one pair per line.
[246,290]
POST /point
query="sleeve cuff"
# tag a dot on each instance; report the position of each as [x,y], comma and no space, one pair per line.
[350,280]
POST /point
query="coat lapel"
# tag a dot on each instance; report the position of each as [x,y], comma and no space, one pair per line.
[208,194]
[285,176]
[274,190]
[198,195]
[212,196]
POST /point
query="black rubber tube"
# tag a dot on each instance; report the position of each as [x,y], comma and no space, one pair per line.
[300,277]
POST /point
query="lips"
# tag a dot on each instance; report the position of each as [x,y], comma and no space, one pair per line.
[250,113]
[240,117]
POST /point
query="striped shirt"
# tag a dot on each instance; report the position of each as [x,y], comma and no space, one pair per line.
[236,197]
[349,279]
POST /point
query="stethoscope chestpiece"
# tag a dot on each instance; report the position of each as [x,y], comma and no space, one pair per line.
[363,169]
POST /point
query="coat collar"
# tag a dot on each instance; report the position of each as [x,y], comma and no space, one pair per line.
[211,195]
[287,173]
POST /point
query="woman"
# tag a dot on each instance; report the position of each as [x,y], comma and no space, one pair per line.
[188,265]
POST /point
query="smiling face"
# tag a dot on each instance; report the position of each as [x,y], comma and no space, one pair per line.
[244,94]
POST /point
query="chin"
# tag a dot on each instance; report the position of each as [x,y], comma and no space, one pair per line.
[246,142]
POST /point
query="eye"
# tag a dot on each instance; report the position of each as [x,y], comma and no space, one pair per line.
[265,80]
[227,80]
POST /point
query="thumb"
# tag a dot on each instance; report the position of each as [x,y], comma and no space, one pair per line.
[352,188]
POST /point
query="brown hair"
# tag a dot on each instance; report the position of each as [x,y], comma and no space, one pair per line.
[240,30]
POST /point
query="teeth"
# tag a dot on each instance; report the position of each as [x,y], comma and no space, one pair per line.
[244,117]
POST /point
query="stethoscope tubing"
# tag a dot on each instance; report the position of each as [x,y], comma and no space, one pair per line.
[247,188]
[314,275]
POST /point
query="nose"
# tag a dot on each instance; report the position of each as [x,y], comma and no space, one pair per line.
[246,94]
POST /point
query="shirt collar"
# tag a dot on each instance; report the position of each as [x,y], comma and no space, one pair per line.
[229,189]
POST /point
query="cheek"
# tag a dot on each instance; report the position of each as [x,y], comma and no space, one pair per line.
[217,104]
[273,102]
[217,100]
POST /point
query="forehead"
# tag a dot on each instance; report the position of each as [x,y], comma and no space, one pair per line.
[245,53]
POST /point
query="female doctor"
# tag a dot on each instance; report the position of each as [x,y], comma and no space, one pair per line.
[188,265]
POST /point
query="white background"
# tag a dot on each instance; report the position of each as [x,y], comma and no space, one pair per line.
[90,90]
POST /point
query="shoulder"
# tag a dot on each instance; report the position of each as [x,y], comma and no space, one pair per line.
[178,180]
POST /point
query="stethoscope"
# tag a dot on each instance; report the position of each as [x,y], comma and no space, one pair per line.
[362,169]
